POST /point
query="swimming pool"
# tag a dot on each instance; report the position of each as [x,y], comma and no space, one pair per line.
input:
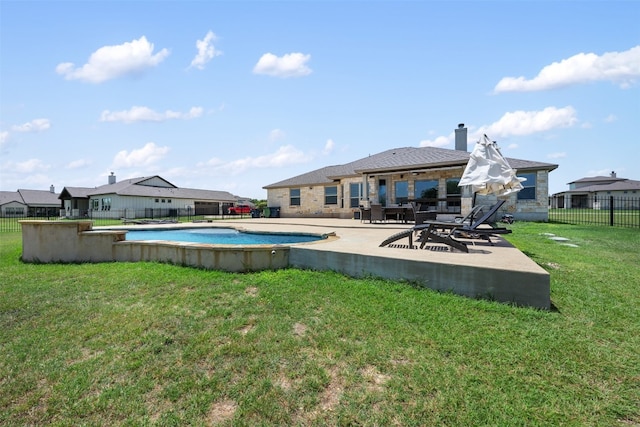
[221,236]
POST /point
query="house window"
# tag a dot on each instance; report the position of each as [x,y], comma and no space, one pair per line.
[427,189]
[106,204]
[294,197]
[157,200]
[452,187]
[453,191]
[331,195]
[402,192]
[355,194]
[95,204]
[382,192]
[163,200]
[529,190]
[168,200]
[14,211]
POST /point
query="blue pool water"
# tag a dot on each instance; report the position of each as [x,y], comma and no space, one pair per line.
[220,236]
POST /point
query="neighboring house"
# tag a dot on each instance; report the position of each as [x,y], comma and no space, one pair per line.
[12,205]
[32,203]
[145,197]
[401,174]
[595,193]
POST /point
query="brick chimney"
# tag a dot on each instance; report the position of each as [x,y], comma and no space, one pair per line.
[461,137]
[613,174]
[52,189]
[112,179]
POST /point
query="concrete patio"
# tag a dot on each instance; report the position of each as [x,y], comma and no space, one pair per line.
[499,272]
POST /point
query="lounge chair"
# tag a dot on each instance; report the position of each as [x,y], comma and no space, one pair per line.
[445,232]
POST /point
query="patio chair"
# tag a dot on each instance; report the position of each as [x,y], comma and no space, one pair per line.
[377,213]
[421,216]
[445,232]
[365,214]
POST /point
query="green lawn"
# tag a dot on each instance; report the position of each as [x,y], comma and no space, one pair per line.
[154,344]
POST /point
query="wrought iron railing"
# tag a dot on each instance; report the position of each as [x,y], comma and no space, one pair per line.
[610,211]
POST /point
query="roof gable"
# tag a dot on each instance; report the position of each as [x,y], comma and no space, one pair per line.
[10,197]
[75,192]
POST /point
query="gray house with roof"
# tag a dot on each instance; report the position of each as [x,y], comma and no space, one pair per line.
[595,192]
[399,175]
[33,203]
[145,197]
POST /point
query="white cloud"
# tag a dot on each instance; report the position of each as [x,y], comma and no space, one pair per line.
[110,62]
[4,138]
[28,166]
[285,155]
[516,123]
[36,125]
[145,156]
[328,146]
[276,135]
[206,51]
[622,68]
[145,114]
[289,65]
[439,141]
[212,162]
[77,164]
[559,155]
[601,172]
[519,123]
[610,118]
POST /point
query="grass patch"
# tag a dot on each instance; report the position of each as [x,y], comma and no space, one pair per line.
[148,343]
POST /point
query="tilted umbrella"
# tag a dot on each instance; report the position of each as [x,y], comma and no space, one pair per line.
[488,172]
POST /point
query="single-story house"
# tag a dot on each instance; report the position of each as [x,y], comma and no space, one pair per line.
[399,175]
[595,192]
[145,197]
[32,203]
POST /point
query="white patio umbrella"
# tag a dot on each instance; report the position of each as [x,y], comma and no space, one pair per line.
[488,172]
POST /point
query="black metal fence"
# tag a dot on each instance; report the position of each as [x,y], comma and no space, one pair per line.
[11,223]
[594,210]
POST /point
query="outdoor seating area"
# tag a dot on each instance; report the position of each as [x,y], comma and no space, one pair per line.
[404,213]
[417,211]
[448,233]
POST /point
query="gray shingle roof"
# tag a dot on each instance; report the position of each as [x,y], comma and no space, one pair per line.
[598,179]
[10,196]
[136,187]
[619,185]
[39,198]
[396,159]
[75,192]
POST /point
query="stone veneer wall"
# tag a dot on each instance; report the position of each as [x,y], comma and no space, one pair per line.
[312,197]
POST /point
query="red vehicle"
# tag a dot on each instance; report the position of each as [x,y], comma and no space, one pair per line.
[239,210]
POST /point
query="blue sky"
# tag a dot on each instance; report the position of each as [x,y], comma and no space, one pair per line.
[237,95]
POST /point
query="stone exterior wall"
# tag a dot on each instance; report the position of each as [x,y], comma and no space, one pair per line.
[312,198]
[312,202]
[524,210]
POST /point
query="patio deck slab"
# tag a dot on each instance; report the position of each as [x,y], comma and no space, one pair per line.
[499,272]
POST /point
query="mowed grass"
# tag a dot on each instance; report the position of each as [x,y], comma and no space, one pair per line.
[155,344]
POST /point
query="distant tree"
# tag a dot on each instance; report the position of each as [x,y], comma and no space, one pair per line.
[259,204]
